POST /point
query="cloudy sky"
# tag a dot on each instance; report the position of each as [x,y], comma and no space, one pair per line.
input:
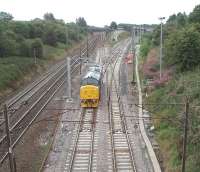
[98,12]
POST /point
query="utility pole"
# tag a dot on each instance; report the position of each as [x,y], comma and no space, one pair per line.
[140,33]
[133,51]
[66,37]
[185,135]
[80,62]
[161,46]
[9,146]
[69,78]
[87,46]
[132,41]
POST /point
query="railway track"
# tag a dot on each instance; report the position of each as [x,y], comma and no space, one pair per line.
[22,97]
[81,154]
[122,152]
[26,107]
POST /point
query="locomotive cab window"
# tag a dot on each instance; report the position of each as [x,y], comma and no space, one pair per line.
[89,81]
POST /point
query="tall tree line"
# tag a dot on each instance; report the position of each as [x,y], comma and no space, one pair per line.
[22,38]
[181,35]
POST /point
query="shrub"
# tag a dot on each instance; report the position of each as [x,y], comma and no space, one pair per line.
[183,50]
[37,48]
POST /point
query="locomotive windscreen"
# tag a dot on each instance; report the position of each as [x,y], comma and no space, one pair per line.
[90,81]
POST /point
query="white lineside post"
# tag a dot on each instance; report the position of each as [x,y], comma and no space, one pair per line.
[69,91]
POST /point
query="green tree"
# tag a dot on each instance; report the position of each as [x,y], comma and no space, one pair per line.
[37,29]
[20,27]
[171,19]
[49,17]
[50,37]
[181,19]
[194,16]
[182,49]
[25,48]
[81,22]
[178,20]
[37,48]
[5,16]
[113,25]
[61,35]
[8,44]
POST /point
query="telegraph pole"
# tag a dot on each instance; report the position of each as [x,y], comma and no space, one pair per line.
[161,46]
[87,46]
[80,61]
[69,78]
[9,146]
[133,50]
[185,135]
[140,34]
[66,37]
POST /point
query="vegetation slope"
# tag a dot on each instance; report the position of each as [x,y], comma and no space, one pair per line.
[46,39]
[180,82]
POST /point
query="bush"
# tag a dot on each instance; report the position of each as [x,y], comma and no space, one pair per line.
[183,50]
[25,48]
[37,48]
[8,46]
[50,37]
[145,47]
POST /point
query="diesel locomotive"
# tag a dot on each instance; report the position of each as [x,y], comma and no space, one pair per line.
[90,89]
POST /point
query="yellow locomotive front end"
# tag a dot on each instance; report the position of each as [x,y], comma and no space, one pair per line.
[89,96]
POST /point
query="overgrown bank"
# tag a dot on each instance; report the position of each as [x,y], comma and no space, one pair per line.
[15,70]
[21,42]
[180,80]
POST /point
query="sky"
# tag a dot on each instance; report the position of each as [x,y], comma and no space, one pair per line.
[98,12]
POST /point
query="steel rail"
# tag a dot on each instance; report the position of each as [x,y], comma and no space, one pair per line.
[35,92]
[79,129]
[112,138]
[30,123]
[29,110]
[121,108]
[92,140]
[25,130]
[123,122]
[76,140]
[39,98]
[111,122]
[75,59]
[46,75]
[61,67]
[125,127]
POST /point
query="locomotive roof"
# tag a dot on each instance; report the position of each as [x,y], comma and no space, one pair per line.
[95,68]
[92,74]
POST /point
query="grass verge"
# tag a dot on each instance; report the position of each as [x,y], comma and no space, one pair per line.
[16,71]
